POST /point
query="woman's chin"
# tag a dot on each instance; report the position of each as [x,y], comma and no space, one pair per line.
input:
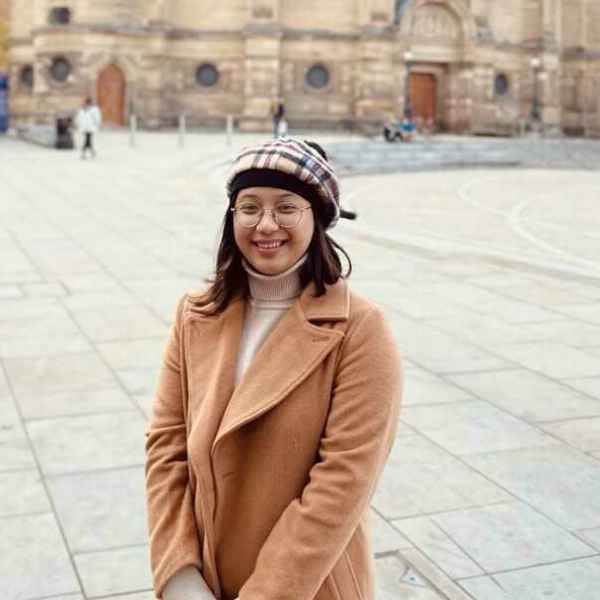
[270,265]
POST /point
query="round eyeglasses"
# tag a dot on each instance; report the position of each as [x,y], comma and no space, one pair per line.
[286,216]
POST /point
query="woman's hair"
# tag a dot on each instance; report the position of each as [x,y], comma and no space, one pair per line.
[323,265]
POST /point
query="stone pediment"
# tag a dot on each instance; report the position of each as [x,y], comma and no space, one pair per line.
[434,21]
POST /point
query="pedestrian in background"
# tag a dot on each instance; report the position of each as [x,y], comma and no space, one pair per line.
[88,121]
[278,117]
[277,403]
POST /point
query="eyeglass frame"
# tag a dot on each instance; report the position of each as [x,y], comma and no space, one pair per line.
[262,212]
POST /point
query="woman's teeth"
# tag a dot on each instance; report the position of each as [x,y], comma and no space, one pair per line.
[269,245]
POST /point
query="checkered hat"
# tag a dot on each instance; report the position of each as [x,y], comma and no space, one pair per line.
[291,164]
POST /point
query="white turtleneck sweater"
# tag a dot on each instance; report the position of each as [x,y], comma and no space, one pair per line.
[270,298]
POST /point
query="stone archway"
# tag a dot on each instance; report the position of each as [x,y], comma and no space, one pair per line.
[110,89]
[434,18]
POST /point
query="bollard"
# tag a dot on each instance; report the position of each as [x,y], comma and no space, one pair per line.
[229,127]
[182,130]
[132,130]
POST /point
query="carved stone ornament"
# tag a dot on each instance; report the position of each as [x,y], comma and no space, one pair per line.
[432,21]
[262,12]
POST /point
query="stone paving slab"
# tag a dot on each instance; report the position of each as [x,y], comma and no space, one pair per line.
[101,509]
[35,561]
[510,536]
[22,493]
[490,282]
[90,442]
[114,571]
[575,580]
[558,481]
[530,396]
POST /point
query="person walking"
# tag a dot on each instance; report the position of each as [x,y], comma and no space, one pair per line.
[88,121]
[277,402]
[279,117]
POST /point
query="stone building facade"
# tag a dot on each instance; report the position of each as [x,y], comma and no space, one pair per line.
[4,35]
[472,65]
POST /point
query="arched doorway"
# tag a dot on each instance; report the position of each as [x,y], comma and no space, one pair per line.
[423,95]
[110,90]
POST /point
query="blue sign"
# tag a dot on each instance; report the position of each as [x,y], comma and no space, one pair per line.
[3,103]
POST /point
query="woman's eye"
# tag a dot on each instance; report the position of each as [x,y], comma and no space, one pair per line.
[286,209]
[249,209]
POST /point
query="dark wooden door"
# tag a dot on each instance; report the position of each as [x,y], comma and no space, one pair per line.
[111,95]
[423,95]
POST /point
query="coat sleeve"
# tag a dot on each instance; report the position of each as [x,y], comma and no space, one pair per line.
[175,536]
[314,529]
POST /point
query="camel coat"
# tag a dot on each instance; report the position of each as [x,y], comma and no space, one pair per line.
[265,487]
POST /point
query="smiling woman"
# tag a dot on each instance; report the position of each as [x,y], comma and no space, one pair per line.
[277,402]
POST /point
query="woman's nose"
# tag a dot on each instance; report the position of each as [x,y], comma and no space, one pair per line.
[267,222]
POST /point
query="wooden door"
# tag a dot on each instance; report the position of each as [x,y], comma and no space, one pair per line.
[423,95]
[111,95]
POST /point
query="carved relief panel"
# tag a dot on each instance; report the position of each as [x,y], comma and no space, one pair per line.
[435,22]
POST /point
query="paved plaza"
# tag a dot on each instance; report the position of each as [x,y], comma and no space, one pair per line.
[490,278]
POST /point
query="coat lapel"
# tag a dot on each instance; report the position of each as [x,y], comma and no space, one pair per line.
[290,353]
[213,344]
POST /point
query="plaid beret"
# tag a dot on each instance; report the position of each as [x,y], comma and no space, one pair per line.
[290,157]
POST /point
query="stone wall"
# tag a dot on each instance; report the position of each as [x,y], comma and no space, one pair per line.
[335,63]
[4,36]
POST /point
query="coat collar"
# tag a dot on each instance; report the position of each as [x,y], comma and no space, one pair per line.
[291,352]
[333,306]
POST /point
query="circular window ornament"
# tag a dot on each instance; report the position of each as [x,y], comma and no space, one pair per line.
[207,75]
[501,85]
[60,15]
[26,77]
[317,77]
[60,69]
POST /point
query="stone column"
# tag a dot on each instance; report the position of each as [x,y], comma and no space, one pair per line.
[549,84]
[262,65]
[376,86]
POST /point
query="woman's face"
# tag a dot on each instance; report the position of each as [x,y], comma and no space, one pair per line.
[269,248]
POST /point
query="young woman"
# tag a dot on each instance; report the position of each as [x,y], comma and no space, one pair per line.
[277,403]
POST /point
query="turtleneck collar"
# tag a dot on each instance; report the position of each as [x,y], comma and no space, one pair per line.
[274,288]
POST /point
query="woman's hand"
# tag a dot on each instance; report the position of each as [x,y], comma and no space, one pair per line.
[187,584]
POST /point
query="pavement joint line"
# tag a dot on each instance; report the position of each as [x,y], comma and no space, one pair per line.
[100,470]
[43,481]
[19,515]
[110,549]
[423,558]
[64,595]
[67,309]
[99,413]
[561,383]
[512,218]
[455,542]
[419,515]
[535,566]
[461,459]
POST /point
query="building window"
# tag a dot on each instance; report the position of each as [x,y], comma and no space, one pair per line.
[26,77]
[60,69]
[501,85]
[59,15]
[317,77]
[400,7]
[207,75]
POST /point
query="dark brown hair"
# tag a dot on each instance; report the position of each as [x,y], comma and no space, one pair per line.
[323,265]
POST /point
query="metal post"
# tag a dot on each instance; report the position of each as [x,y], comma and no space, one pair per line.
[536,113]
[407,104]
[229,127]
[132,130]
[182,130]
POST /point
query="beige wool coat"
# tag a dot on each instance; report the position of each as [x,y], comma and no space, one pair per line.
[265,487]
